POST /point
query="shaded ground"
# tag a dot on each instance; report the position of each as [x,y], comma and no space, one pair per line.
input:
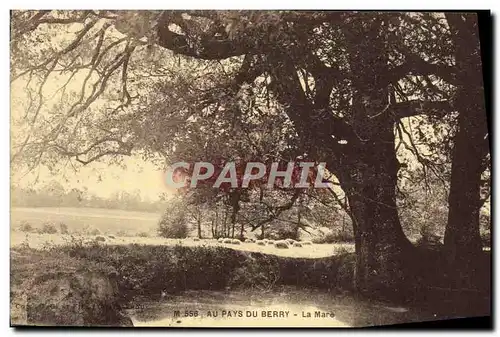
[299,303]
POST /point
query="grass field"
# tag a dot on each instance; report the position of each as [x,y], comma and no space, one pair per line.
[80,220]
[125,227]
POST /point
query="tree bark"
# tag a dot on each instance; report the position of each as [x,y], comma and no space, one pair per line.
[383,251]
[462,238]
[242,231]
[199,227]
[369,177]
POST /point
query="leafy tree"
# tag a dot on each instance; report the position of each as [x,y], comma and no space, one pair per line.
[174,221]
[343,80]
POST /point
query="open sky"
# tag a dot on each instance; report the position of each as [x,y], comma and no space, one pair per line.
[104,180]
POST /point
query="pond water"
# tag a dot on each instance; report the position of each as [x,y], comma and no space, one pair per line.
[288,307]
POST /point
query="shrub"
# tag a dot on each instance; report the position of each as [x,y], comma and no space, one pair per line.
[306,243]
[260,242]
[227,241]
[122,233]
[339,237]
[100,238]
[486,239]
[290,241]
[95,231]
[270,242]
[25,226]
[63,228]
[173,226]
[111,236]
[48,228]
[297,244]
[196,239]
[236,242]
[143,234]
[427,237]
[146,270]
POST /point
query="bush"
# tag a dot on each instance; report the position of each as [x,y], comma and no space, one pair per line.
[173,226]
[486,239]
[25,227]
[143,234]
[63,228]
[145,270]
[95,231]
[48,228]
[428,238]
[339,237]
[122,233]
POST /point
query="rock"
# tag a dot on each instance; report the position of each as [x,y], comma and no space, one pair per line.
[74,299]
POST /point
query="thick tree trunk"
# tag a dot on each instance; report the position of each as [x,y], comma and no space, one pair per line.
[369,177]
[383,251]
[462,239]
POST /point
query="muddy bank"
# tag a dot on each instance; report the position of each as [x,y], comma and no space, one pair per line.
[91,285]
[88,285]
[46,291]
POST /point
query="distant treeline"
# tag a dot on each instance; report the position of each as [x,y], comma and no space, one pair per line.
[54,195]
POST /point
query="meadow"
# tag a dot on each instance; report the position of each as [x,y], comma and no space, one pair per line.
[119,227]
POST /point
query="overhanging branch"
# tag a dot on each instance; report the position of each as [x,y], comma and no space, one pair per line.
[418,107]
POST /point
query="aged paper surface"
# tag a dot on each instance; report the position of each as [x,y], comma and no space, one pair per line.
[248,168]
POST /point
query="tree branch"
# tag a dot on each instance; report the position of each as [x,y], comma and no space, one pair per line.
[418,107]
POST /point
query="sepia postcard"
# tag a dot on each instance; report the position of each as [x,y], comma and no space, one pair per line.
[250,168]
